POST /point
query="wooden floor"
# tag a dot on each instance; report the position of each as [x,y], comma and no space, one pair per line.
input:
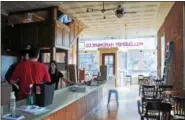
[127,109]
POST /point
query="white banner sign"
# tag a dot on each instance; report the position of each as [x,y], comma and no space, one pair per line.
[148,43]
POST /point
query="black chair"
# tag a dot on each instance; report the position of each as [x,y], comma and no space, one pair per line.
[156,110]
[166,108]
[158,82]
[140,82]
[146,78]
[179,108]
[162,88]
[152,111]
[148,91]
[142,104]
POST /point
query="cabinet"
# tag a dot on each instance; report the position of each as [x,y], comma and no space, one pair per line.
[29,34]
[46,35]
[38,34]
[61,36]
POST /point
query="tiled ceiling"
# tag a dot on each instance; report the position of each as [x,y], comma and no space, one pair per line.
[140,24]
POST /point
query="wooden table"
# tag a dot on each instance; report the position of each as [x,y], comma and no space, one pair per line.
[167,95]
[172,92]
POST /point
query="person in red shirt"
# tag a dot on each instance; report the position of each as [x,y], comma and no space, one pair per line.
[24,56]
[29,72]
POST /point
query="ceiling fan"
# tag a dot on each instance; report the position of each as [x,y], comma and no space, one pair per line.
[119,11]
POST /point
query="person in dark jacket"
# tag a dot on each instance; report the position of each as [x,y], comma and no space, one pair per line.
[56,75]
[24,57]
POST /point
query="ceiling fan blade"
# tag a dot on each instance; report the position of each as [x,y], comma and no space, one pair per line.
[133,12]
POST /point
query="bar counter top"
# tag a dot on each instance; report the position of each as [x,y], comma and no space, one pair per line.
[62,98]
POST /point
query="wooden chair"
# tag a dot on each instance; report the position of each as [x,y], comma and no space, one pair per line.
[158,82]
[148,91]
[162,88]
[154,110]
[179,108]
[143,103]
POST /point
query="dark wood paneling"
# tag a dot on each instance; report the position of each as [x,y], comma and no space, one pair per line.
[15,37]
[30,35]
[34,34]
[46,35]
[79,109]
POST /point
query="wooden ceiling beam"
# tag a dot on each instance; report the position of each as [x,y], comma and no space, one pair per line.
[29,11]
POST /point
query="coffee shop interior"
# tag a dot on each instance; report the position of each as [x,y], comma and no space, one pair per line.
[118,60]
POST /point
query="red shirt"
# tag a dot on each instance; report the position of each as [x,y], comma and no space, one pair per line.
[30,72]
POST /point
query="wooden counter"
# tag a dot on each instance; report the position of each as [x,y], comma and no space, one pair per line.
[68,105]
[5,90]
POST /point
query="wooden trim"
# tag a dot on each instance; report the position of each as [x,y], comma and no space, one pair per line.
[62,25]
[53,53]
[32,10]
[77,58]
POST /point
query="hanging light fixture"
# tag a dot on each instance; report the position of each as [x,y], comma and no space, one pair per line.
[125,32]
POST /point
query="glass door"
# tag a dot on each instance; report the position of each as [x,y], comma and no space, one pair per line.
[109,61]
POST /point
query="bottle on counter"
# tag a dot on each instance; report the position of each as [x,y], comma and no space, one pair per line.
[29,99]
[12,104]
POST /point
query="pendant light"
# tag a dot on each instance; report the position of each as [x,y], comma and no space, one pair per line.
[125,32]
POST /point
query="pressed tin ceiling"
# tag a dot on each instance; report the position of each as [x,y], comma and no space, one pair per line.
[141,24]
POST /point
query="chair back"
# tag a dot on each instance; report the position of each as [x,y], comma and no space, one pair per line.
[158,82]
[148,91]
[153,110]
[179,106]
[145,100]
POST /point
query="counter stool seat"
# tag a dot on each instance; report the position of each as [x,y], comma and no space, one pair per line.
[116,94]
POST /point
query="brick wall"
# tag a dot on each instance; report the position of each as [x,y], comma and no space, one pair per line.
[172,29]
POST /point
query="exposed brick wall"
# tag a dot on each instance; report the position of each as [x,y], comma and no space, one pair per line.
[172,29]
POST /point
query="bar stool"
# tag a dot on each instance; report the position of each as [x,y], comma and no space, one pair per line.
[116,94]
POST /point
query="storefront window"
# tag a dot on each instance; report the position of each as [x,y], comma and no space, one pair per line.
[142,62]
[89,62]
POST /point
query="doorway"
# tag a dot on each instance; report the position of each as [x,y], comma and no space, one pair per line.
[108,59]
